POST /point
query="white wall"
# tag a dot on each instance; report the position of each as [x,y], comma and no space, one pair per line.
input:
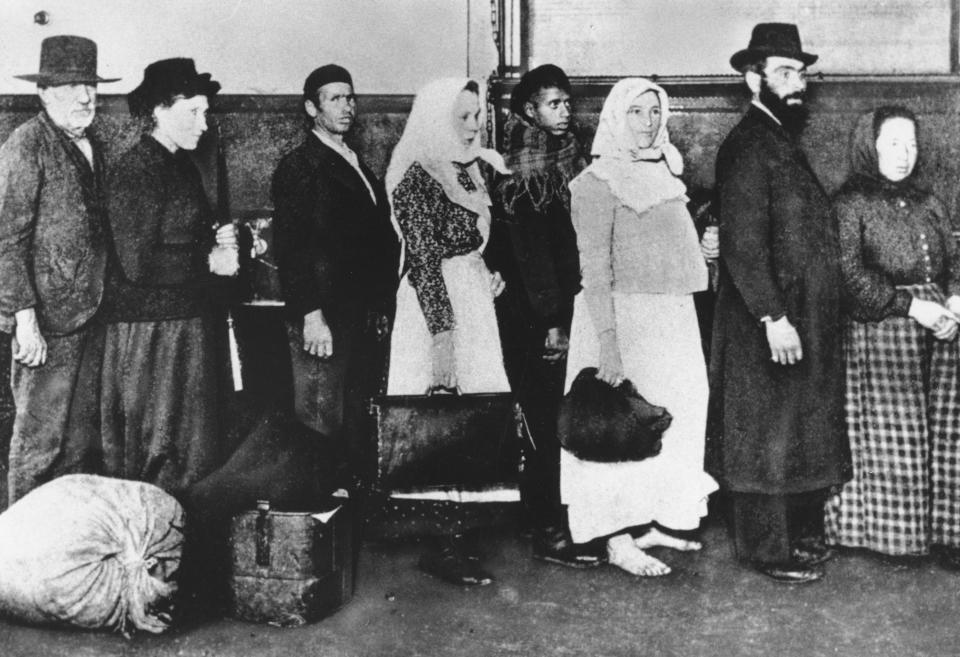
[259,46]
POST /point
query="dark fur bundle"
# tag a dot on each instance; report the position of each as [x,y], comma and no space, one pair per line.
[599,422]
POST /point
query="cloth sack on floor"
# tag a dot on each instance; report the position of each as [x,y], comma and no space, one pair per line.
[92,552]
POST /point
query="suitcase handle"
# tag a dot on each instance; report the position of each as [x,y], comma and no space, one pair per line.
[444,390]
[263,533]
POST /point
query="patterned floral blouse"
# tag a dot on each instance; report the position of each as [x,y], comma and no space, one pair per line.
[890,235]
[434,228]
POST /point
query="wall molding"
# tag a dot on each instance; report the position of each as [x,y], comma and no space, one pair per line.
[228,103]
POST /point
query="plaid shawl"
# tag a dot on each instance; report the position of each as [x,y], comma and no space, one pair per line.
[542,165]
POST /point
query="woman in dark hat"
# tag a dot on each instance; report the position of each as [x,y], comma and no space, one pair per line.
[170,263]
[901,269]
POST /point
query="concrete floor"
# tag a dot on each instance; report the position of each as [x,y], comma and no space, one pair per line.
[709,606]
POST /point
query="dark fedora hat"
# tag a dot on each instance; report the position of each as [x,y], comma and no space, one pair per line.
[166,79]
[772,40]
[66,59]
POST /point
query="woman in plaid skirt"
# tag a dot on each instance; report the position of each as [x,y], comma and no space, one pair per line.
[901,270]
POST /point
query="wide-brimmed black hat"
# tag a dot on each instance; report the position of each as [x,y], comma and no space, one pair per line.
[541,77]
[167,79]
[66,59]
[772,40]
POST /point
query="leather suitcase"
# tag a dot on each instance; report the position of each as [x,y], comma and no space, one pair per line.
[289,567]
[429,441]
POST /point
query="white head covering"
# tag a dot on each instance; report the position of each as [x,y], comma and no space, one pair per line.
[639,177]
[430,138]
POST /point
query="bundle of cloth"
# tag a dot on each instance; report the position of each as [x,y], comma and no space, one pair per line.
[91,552]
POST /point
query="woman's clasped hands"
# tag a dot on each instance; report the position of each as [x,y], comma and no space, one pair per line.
[942,320]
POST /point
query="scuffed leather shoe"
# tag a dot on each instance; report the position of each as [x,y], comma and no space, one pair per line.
[454,569]
[571,555]
[949,558]
[553,545]
[811,552]
[790,573]
[808,557]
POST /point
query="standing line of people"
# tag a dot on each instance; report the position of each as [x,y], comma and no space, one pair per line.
[829,416]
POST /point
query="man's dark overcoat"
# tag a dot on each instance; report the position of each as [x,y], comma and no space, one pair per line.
[775,429]
[336,251]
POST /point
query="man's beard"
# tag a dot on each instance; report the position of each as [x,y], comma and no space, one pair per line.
[792,117]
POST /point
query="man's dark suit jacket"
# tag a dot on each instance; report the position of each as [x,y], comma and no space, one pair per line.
[336,249]
[53,250]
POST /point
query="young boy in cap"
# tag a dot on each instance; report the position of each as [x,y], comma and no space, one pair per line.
[534,246]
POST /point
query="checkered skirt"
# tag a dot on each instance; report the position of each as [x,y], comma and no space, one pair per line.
[903,421]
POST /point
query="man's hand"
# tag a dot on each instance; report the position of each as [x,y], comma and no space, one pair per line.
[228,236]
[785,347]
[556,345]
[317,339]
[31,348]
[497,284]
[710,243]
[443,356]
[610,368]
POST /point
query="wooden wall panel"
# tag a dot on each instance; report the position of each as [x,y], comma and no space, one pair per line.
[702,113]
[256,130]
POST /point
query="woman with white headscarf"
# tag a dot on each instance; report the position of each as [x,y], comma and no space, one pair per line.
[445,333]
[635,319]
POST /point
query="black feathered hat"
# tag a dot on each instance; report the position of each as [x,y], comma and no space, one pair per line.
[165,80]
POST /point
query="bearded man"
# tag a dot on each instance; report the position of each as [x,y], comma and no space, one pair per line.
[777,365]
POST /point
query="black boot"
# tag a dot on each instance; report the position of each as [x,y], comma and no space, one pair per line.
[949,557]
[811,551]
[450,563]
[552,543]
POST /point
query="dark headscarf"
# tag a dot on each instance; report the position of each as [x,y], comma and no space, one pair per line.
[864,161]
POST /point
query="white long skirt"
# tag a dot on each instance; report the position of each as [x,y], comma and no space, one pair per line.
[662,355]
[476,339]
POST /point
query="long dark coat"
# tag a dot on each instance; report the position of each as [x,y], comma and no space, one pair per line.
[775,429]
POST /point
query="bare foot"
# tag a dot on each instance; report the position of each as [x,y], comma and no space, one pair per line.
[622,552]
[656,538]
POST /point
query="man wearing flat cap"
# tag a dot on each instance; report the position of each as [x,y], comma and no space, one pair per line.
[338,259]
[53,257]
[778,441]
[534,246]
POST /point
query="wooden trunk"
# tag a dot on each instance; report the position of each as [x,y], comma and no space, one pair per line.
[289,566]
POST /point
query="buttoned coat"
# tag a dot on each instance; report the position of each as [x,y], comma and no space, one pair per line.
[337,252]
[335,246]
[53,251]
[775,429]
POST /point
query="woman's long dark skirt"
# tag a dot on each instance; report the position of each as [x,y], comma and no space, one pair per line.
[160,401]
